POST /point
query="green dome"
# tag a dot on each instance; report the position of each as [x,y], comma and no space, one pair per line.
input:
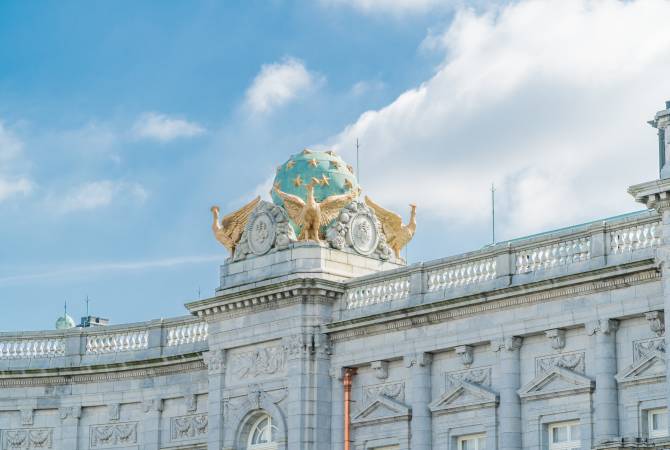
[335,176]
[65,322]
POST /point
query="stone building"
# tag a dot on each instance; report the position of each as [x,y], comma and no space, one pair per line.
[554,341]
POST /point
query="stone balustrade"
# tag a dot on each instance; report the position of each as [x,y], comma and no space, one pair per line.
[513,261]
[120,342]
[32,348]
[186,333]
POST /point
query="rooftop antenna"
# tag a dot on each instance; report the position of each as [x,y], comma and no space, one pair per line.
[87,302]
[65,309]
[358,167]
[198,292]
[493,213]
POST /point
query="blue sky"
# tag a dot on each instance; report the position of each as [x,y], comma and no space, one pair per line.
[122,122]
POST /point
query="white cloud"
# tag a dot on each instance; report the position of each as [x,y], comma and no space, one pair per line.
[160,127]
[395,7]
[279,83]
[546,99]
[363,87]
[97,194]
[13,180]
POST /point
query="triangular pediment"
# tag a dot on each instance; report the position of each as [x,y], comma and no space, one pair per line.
[558,381]
[463,396]
[382,409]
[650,369]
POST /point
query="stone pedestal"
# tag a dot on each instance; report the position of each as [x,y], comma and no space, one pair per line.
[606,404]
[509,410]
[419,399]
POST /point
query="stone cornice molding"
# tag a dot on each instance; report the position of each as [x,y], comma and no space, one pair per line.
[275,295]
[654,194]
[445,310]
[103,373]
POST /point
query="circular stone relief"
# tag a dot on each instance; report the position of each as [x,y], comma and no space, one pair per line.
[261,234]
[363,234]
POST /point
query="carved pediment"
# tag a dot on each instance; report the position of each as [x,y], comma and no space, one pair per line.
[463,396]
[649,369]
[558,381]
[382,409]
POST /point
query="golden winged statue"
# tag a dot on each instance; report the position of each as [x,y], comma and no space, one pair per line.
[229,229]
[397,234]
[310,215]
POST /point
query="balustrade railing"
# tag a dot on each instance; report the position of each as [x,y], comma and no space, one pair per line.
[471,272]
[186,333]
[32,348]
[117,342]
[378,292]
[552,255]
[635,237]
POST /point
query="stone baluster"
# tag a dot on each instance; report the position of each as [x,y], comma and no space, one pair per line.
[216,369]
[606,395]
[151,425]
[69,432]
[509,410]
[421,434]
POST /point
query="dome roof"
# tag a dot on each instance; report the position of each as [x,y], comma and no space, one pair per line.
[336,177]
[65,322]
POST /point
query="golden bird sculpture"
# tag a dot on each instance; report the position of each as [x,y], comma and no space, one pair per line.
[309,214]
[229,229]
[397,234]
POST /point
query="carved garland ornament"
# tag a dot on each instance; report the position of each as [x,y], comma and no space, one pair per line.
[113,435]
[188,427]
[27,439]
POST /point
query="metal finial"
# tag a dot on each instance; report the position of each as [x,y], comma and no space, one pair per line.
[493,213]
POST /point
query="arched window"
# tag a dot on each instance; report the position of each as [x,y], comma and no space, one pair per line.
[263,435]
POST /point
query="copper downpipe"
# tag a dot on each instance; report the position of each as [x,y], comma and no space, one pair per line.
[346,382]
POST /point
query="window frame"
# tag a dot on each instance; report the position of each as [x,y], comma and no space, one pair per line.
[570,443]
[252,431]
[467,437]
[650,423]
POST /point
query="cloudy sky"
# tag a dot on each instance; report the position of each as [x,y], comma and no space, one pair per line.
[122,122]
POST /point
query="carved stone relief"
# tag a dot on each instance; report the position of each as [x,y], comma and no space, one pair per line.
[27,416]
[556,337]
[395,390]
[357,227]
[268,227]
[480,376]
[264,360]
[380,369]
[573,361]
[113,435]
[656,321]
[188,427]
[27,438]
[114,412]
[644,347]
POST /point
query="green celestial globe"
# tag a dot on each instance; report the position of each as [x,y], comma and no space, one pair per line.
[335,176]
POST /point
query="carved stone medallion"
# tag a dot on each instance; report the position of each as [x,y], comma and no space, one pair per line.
[262,233]
[358,228]
[362,234]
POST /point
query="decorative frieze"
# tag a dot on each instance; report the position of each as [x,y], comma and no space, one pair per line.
[480,376]
[573,361]
[188,427]
[27,438]
[644,347]
[260,361]
[113,435]
[395,390]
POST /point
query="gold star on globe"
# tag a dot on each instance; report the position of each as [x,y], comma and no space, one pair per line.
[297,181]
[277,185]
[334,165]
[348,184]
[313,162]
[306,152]
[325,180]
[290,164]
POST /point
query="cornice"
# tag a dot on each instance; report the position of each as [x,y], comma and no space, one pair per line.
[268,296]
[444,310]
[102,373]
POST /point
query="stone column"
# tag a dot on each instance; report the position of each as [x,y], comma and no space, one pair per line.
[421,434]
[606,396]
[299,404]
[509,410]
[216,368]
[69,437]
[337,409]
[323,423]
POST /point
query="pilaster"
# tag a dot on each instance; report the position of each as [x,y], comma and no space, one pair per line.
[69,416]
[151,425]
[606,394]
[300,427]
[216,370]
[509,409]
[337,408]
[419,365]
